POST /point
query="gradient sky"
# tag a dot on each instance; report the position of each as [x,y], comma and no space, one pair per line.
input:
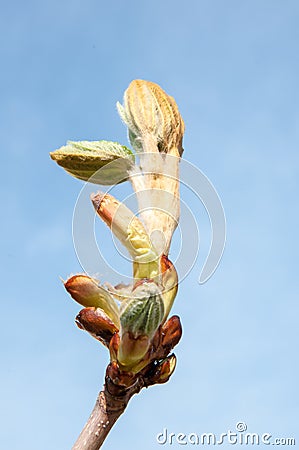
[233,68]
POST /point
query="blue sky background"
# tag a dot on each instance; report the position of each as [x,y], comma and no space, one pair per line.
[233,68]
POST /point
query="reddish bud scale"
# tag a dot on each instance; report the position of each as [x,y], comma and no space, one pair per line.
[162,371]
[99,201]
[113,346]
[169,283]
[119,377]
[166,264]
[171,332]
[96,323]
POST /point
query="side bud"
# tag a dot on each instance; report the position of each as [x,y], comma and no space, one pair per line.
[171,333]
[163,371]
[86,291]
[97,324]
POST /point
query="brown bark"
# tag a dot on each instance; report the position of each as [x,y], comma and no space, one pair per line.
[105,413]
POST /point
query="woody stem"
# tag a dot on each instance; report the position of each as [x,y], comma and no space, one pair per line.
[107,410]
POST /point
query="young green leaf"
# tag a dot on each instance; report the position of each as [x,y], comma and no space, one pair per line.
[99,162]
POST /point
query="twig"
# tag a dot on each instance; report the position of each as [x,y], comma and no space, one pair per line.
[105,413]
[120,385]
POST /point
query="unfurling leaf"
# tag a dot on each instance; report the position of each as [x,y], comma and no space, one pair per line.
[84,160]
[143,313]
[149,112]
[130,232]
[140,317]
